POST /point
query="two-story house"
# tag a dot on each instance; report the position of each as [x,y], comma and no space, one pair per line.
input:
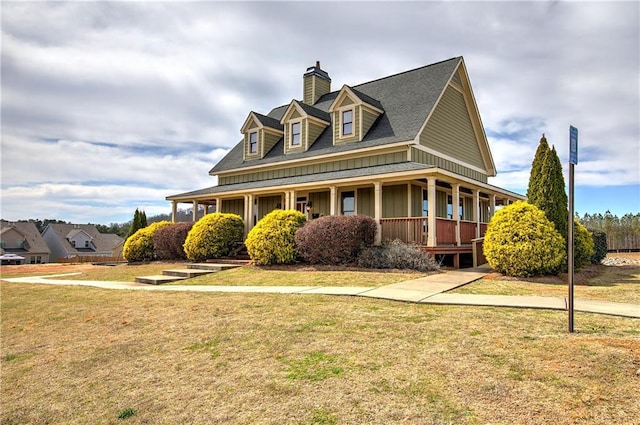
[409,150]
[80,240]
[23,240]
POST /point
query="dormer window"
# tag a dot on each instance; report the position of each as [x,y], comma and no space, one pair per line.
[86,244]
[347,123]
[295,134]
[253,142]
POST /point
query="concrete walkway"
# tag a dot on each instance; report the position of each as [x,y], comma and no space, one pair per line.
[431,289]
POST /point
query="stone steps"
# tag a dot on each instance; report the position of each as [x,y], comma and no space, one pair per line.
[192,270]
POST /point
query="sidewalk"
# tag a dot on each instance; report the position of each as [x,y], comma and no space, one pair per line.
[431,289]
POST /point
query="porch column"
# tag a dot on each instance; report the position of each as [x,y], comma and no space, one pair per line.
[431,217]
[174,211]
[492,205]
[456,210]
[195,210]
[377,210]
[218,205]
[287,199]
[333,210]
[248,213]
[476,211]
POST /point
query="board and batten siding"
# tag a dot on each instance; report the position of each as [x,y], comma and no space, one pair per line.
[323,167]
[427,158]
[365,201]
[394,201]
[321,203]
[450,130]
[233,206]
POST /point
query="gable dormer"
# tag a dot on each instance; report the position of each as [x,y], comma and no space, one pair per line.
[353,113]
[78,238]
[261,133]
[303,124]
[12,238]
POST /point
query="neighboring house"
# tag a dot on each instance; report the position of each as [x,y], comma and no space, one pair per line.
[408,150]
[23,240]
[80,240]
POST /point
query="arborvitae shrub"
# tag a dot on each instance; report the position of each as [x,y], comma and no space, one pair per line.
[140,246]
[600,245]
[583,247]
[335,239]
[272,239]
[521,241]
[397,255]
[213,236]
[169,241]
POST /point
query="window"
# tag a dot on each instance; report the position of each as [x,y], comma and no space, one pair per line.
[348,203]
[347,122]
[253,142]
[295,134]
[86,244]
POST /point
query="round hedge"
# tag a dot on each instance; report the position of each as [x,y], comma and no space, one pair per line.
[140,246]
[272,240]
[213,236]
[335,239]
[169,241]
[521,241]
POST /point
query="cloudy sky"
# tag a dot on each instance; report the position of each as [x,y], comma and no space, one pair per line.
[109,106]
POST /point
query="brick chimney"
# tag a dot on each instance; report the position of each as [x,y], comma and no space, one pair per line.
[316,84]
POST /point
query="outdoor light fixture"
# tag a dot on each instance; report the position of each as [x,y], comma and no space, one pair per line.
[309,206]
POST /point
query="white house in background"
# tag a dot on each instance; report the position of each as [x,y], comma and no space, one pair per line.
[80,240]
[24,240]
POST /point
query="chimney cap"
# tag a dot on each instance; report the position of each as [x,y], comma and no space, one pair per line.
[317,71]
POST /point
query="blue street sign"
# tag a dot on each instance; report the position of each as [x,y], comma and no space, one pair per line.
[573,145]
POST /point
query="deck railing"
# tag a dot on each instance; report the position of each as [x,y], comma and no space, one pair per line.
[415,230]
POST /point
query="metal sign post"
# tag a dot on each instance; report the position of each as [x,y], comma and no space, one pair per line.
[573,160]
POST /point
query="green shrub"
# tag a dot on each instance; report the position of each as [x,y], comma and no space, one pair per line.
[335,239]
[599,245]
[140,246]
[521,241]
[583,247]
[272,240]
[397,255]
[213,236]
[169,241]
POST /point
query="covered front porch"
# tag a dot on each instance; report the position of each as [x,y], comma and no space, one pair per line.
[436,210]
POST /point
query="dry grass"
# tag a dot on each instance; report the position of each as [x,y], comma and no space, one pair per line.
[248,275]
[597,282]
[86,355]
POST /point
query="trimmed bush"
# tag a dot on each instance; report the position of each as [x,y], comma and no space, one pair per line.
[397,255]
[213,236]
[140,246]
[335,239]
[583,245]
[521,241]
[272,239]
[169,241]
[599,245]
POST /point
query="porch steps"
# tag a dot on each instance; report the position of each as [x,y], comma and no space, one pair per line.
[192,270]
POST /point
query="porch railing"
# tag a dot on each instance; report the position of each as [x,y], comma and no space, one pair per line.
[415,230]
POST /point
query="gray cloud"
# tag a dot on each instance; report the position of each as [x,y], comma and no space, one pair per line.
[146,94]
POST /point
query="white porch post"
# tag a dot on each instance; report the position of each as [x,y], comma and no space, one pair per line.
[456,210]
[431,218]
[377,210]
[287,200]
[333,201]
[195,210]
[492,205]
[476,211]
[218,205]
[248,213]
[174,211]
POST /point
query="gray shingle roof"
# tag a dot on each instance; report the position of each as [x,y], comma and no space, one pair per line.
[310,178]
[406,98]
[268,121]
[367,99]
[314,112]
[104,242]
[34,239]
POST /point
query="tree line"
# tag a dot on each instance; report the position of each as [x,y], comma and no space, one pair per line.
[623,234]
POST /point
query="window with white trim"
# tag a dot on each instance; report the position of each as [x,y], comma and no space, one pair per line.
[348,203]
[253,142]
[295,133]
[347,123]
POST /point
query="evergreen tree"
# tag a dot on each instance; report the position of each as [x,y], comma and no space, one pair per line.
[143,219]
[136,223]
[533,191]
[551,195]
